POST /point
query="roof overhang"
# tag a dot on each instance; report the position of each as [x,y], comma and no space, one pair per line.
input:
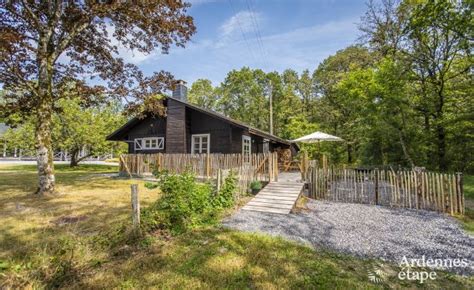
[119,133]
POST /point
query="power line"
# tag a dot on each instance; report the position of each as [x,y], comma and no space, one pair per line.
[242,31]
[256,29]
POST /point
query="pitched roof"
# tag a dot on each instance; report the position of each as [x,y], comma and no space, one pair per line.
[116,135]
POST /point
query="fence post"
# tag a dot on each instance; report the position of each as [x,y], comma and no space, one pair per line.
[306,164]
[219,176]
[135,207]
[376,186]
[419,197]
[208,165]
[461,191]
[275,164]
[158,159]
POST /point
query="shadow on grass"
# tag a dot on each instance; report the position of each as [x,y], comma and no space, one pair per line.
[208,258]
[220,258]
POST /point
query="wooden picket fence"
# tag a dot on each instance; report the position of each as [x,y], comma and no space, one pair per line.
[442,192]
[260,166]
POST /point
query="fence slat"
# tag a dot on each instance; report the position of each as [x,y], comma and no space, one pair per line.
[417,189]
[205,166]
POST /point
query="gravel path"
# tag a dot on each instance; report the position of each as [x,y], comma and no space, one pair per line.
[367,231]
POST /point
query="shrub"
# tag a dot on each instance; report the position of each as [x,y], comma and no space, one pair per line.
[186,203]
[225,198]
[255,185]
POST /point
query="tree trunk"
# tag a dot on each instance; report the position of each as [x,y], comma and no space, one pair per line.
[75,159]
[74,155]
[441,136]
[404,149]
[349,153]
[44,110]
[440,130]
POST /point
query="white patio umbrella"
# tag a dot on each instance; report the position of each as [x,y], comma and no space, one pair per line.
[317,137]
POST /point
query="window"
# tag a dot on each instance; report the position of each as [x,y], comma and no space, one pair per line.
[200,143]
[246,145]
[150,143]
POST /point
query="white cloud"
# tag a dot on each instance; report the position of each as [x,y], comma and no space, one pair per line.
[129,56]
[243,21]
[298,49]
[240,27]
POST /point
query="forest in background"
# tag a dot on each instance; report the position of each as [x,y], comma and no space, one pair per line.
[401,96]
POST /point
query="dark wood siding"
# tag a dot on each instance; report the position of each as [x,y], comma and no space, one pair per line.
[176,127]
[220,131]
[237,140]
[153,126]
[257,144]
[182,121]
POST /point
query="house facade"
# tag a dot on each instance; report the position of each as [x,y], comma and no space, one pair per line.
[187,128]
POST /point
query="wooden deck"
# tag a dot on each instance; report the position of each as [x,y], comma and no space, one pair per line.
[276,197]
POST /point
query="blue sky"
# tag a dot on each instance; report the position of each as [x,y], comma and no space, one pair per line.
[267,34]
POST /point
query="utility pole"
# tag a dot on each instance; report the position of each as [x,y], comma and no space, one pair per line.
[271,108]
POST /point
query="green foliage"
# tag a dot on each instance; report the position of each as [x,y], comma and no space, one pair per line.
[76,126]
[468,182]
[20,135]
[225,198]
[404,99]
[186,203]
[244,96]
[203,94]
[256,185]
[63,263]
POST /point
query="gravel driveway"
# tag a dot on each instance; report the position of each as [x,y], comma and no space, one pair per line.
[367,231]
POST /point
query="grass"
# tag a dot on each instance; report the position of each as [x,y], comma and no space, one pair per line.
[468,219]
[37,252]
[469,187]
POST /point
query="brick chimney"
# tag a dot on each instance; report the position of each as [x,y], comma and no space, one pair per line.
[180,91]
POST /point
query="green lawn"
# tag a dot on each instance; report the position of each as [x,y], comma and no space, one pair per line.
[469,187]
[38,252]
[468,218]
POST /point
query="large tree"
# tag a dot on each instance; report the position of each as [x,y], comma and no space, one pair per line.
[244,96]
[337,111]
[46,44]
[79,127]
[433,41]
[203,94]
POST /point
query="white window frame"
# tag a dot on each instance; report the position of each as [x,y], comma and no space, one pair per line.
[244,139]
[140,143]
[200,136]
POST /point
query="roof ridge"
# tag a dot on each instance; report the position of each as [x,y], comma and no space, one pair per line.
[228,119]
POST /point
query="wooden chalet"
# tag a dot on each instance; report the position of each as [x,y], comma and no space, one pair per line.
[187,128]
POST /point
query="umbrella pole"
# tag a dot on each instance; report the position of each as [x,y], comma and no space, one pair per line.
[319,151]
